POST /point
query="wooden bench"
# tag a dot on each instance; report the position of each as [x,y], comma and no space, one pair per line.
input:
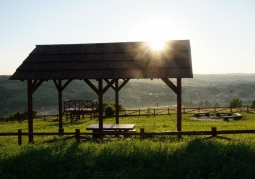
[128,128]
[125,135]
[133,130]
[202,113]
[218,114]
[233,117]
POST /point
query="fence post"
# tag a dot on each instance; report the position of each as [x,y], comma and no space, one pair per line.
[183,110]
[57,116]
[214,132]
[139,112]
[43,117]
[77,135]
[19,137]
[125,112]
[154,112]
[141,133]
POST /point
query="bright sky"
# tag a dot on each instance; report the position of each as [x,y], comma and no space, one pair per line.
[221,32]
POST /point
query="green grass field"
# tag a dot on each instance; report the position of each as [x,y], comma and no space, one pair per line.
[154,157]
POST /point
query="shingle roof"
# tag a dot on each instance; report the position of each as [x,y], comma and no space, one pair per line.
[120,60]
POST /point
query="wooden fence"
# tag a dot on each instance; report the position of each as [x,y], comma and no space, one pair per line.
[157,111]
[168,111]
[142,134]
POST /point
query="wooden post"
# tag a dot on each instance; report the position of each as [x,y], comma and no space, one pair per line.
[139,112]
[19,137]
[117,101]
[214,132]
[179,106]
[77,135]
[30,110]
[141,133]
[100,104]
[60,124]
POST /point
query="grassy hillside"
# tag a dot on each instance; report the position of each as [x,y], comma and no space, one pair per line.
[142,93]
[154,157]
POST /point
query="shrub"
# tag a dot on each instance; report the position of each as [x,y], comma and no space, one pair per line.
[109,110]
[235,103]
[2,117]
[120,106]
[253,104]
[21,116]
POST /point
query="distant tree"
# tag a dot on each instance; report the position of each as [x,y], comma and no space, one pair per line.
[253,104]
[216,104]
[236,102]
[206,104]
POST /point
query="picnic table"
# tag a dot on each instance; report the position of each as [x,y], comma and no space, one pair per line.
[201,113]
[232,117]
[111,128]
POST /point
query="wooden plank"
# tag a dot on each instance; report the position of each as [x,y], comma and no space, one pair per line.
[111,127]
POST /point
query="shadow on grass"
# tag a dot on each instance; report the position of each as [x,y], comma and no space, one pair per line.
[132,159]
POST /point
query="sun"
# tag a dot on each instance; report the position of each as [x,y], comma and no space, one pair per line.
[157,45]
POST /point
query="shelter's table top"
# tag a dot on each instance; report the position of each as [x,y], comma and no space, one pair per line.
[112,126]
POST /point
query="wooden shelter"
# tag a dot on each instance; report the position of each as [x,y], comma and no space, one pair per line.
[109,62]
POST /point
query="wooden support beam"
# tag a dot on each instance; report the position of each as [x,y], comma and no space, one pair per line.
[117,102]
[30,110]
[60,88]
[109,85]
[92,86]
[123,84]
[36,85]
[178,90]
[117,88]
[65,85]
[113,87]
[179,106]
[170,84]
[100,104]
[31,88]
[60,123]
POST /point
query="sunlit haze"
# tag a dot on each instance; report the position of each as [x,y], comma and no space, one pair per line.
[157,45]
[221,33]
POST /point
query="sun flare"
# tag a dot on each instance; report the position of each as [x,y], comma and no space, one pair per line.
[157,45]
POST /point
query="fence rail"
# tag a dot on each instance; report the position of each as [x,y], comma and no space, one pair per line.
[156,111]
[81,135]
